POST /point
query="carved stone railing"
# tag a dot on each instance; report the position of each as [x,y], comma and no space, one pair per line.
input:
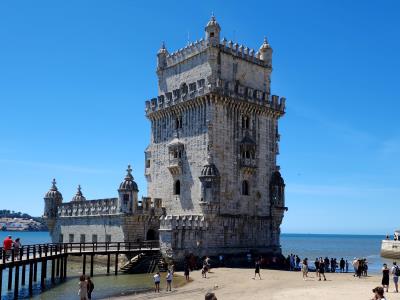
[98,207]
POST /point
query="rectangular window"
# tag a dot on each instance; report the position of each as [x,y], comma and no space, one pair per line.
[94,238]
[71,238]
[147,163]
[83,237]
[108,238]
[61,238]
[192,87]
[201,83]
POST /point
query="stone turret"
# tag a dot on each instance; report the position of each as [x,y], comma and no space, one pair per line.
[266,52]
[213,31]
[128,194]
[52,200]
[162,57]
[209,179]
[78,196]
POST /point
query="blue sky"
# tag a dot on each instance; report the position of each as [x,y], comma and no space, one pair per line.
[74,76]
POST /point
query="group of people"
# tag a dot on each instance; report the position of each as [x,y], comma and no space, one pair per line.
[86,287]
[322,265]
[168,278]
[360,266]
[9,245]
[386,272]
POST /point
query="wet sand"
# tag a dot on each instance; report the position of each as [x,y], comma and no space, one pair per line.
[238,284]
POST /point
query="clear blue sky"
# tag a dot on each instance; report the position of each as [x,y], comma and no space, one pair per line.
[74,76]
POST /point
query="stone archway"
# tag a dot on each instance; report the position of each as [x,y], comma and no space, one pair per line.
[151,235]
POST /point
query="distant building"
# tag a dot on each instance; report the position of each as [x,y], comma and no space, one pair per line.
[213,183]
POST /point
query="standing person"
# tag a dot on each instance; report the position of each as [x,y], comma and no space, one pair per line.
[332,265]
[355,264]
[90,287]
[342,265]
[385,277]
[257,269]
[83,288]
[365,269]
[396,274]
[7,246]
[298,260]
[316,264]
[360,268]
[347,266]
[169,280]
[326,262]
[157,279]
[321,269]
[17,247]
[304,268]
[187,271]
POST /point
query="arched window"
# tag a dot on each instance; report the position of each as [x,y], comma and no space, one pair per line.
[126,199]
[245,187]
[177,188]
[245,122]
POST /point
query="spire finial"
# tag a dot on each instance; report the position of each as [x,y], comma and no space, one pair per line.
[129,173]
[163,45]
[53,184]
[212,16]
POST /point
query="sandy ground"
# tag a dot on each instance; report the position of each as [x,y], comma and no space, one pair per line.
[276,285]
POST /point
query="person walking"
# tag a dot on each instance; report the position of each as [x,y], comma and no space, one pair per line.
[17,246]
[395,274]
[355,264]
[186,271]
[7,246]
[304,268]
[257,269]
[316,264]
[321,269]
[83,288]
[90,286]
[342,265]
[157,279]
[169,280]
[385,277]
[347,266]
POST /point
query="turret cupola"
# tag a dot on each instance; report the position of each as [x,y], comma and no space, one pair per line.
[78,196]
[53,193]
[266,52]
[128,184]
[52,200]
[162,57]
[209,179]
[213,31]
[128,194]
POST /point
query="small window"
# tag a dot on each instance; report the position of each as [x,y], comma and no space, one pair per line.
[61,238]
[245,188]
[177,188]
[201,83]
[178,122]
[71,238]
[83,238]
[94,238]
[108,238]
[147,163]
[211,34]
[245,122]
[126,199]
[192,86]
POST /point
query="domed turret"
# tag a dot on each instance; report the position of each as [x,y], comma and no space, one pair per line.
[78,196]
[53,193]
[52,200]
[128,194]
[213,31]
[162,57]
[266,52]
[277,190]
[209,179]
[128,184]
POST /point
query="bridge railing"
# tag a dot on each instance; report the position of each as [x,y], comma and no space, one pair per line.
[50,249]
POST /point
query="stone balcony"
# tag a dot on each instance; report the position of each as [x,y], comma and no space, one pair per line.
[248,165]
[175,165]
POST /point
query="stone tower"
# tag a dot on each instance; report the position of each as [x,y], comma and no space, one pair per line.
[128,194]
[213,148]
[52,200]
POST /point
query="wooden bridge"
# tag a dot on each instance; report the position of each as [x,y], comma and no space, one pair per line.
[57,254]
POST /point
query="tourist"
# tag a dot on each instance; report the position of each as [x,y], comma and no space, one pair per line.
[396,274]
[7,246]
[83,288]
[157,279]
[187,271]
[204,271]
[355,264]
[210,296]
[360,268]
[378,293]
[385,277]
[17,247]
[342,265]
[169,280]
[304,268]
[316,264]
[298,260]
[321,269]
[365,268]
[347,266]
[257,270]
[90,287]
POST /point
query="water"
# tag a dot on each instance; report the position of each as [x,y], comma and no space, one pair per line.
[336,246]
[304,245]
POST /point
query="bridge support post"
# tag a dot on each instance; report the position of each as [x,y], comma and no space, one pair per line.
[35,271]
[16,282]
[84,264]
[30,279]
[1,279]
[116,264]
[42,275]
[108,263]
[61,268]
[58,267]
[65,266]
[10,272]
[23,274]
[53,271]
[91,265]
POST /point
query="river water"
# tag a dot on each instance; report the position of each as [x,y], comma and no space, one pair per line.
[304,245]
